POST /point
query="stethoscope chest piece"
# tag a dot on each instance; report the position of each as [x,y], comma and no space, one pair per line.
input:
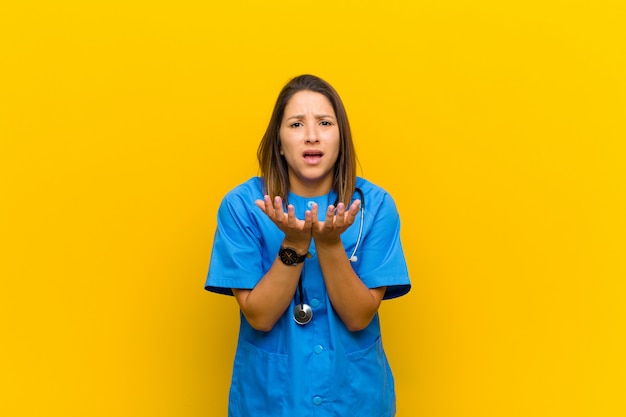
[302,314]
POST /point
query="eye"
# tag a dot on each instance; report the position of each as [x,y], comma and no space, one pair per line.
[295,124]
[325,123]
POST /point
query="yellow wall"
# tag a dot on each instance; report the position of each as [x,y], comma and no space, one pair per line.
[498,127]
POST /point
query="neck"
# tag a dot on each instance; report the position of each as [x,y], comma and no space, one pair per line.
[310,188]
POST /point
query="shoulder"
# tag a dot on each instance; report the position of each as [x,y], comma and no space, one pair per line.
[251,188]
[240,200]
[248,191]
[374,194]
[368,186]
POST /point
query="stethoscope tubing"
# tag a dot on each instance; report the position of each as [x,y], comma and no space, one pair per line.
[302,312]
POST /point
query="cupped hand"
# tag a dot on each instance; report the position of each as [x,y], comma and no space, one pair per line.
[329,231]
[297,231]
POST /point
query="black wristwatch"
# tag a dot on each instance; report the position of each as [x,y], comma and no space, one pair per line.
[290,257]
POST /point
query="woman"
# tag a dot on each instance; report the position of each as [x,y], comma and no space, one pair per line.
[309,250]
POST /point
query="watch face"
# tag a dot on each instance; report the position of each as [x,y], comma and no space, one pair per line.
[288,256]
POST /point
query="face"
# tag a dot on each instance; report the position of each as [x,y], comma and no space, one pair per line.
[309,140]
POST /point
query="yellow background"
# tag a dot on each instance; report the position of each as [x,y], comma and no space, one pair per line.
[498,127]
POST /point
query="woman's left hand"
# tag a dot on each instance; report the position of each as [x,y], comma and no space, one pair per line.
[329,231]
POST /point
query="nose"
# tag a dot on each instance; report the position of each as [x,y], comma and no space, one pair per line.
[311,135]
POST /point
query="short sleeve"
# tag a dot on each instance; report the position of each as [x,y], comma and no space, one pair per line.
[382,261]
[236,255]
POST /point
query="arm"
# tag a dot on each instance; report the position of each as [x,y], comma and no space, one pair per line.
[354,302]
[267,301]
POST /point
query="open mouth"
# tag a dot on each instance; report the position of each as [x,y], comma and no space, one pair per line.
[312,156]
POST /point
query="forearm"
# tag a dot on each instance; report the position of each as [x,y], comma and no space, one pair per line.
[353,301]
[267,301]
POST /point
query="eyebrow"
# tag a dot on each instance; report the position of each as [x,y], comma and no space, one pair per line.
[317,116]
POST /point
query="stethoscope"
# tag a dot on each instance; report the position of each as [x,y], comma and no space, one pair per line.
[303,313]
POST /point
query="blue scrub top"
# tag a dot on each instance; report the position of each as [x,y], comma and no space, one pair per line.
[321,368]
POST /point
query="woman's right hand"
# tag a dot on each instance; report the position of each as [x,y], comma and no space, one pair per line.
[298,232]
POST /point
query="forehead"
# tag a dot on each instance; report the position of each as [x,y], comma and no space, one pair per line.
[309,102]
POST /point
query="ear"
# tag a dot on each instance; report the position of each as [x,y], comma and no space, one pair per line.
[282,152]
